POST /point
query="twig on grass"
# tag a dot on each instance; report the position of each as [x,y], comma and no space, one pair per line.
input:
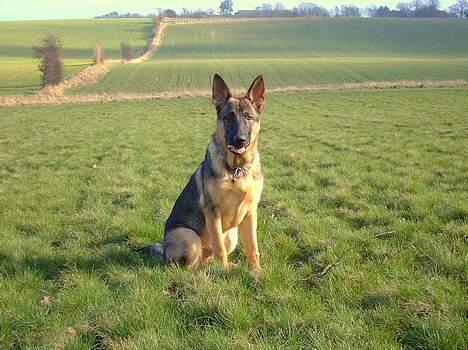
[388,256]
[327,268]
[383,234]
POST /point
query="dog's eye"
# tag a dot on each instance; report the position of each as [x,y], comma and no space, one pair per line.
[248,116]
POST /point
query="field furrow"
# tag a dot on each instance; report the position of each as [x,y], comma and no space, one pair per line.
[297,53]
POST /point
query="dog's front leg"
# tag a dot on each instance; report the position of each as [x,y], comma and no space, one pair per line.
[248,233]
[215,230]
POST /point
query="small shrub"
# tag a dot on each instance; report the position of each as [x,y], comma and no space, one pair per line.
[127,53]
[51,64]
[98,53]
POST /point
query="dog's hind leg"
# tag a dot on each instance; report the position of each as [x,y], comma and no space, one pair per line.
[182,246]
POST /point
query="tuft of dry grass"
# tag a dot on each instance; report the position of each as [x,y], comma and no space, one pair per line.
[56,97]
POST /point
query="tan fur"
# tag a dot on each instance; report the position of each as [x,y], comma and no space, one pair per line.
[183,243]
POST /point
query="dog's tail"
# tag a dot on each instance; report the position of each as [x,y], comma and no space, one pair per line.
[155,249]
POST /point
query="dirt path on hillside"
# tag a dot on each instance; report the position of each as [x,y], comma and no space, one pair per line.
[52,99]
[92,74]
[89,75]
[155,44]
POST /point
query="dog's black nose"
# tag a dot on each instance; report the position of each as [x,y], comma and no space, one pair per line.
[239,141]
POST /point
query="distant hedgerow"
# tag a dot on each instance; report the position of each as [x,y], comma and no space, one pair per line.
[51,64]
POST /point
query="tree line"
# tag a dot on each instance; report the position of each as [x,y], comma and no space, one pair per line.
[420,9]
[414,8]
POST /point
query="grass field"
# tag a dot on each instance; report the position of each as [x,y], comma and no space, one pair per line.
[18,66]
[375,180]
[298,53]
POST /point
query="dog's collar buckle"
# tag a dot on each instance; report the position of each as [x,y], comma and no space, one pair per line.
[237,172]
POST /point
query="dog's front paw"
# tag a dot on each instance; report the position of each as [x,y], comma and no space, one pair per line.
[255,268]
[257,273]
[227,266]
[230,266]
[254,262]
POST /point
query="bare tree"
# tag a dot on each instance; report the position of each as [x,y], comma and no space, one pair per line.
[127,53]
[404,8]
[225,8]
[337,12]
[98,53]
[459,8]
[169,13]
[434,4]
[279,7]
[417,4]
[266,7]
[350,11]
[370,11]
[51,64]
[311,9]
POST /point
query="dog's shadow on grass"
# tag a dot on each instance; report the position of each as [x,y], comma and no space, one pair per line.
[98,257]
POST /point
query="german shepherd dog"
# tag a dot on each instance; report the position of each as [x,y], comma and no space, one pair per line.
[221,197]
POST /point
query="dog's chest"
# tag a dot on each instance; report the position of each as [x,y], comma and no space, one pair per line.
[237,198]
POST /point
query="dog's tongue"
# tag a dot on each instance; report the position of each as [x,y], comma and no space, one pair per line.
[237,150]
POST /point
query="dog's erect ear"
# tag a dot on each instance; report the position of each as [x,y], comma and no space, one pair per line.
[221,93]
[256,93]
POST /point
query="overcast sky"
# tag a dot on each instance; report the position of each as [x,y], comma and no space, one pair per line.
[49,9]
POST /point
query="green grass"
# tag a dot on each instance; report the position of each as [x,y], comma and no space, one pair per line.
[18,66]
[298,53]
[81,188]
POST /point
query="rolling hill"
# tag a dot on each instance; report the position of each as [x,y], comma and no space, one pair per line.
[297,53]
[18,66]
